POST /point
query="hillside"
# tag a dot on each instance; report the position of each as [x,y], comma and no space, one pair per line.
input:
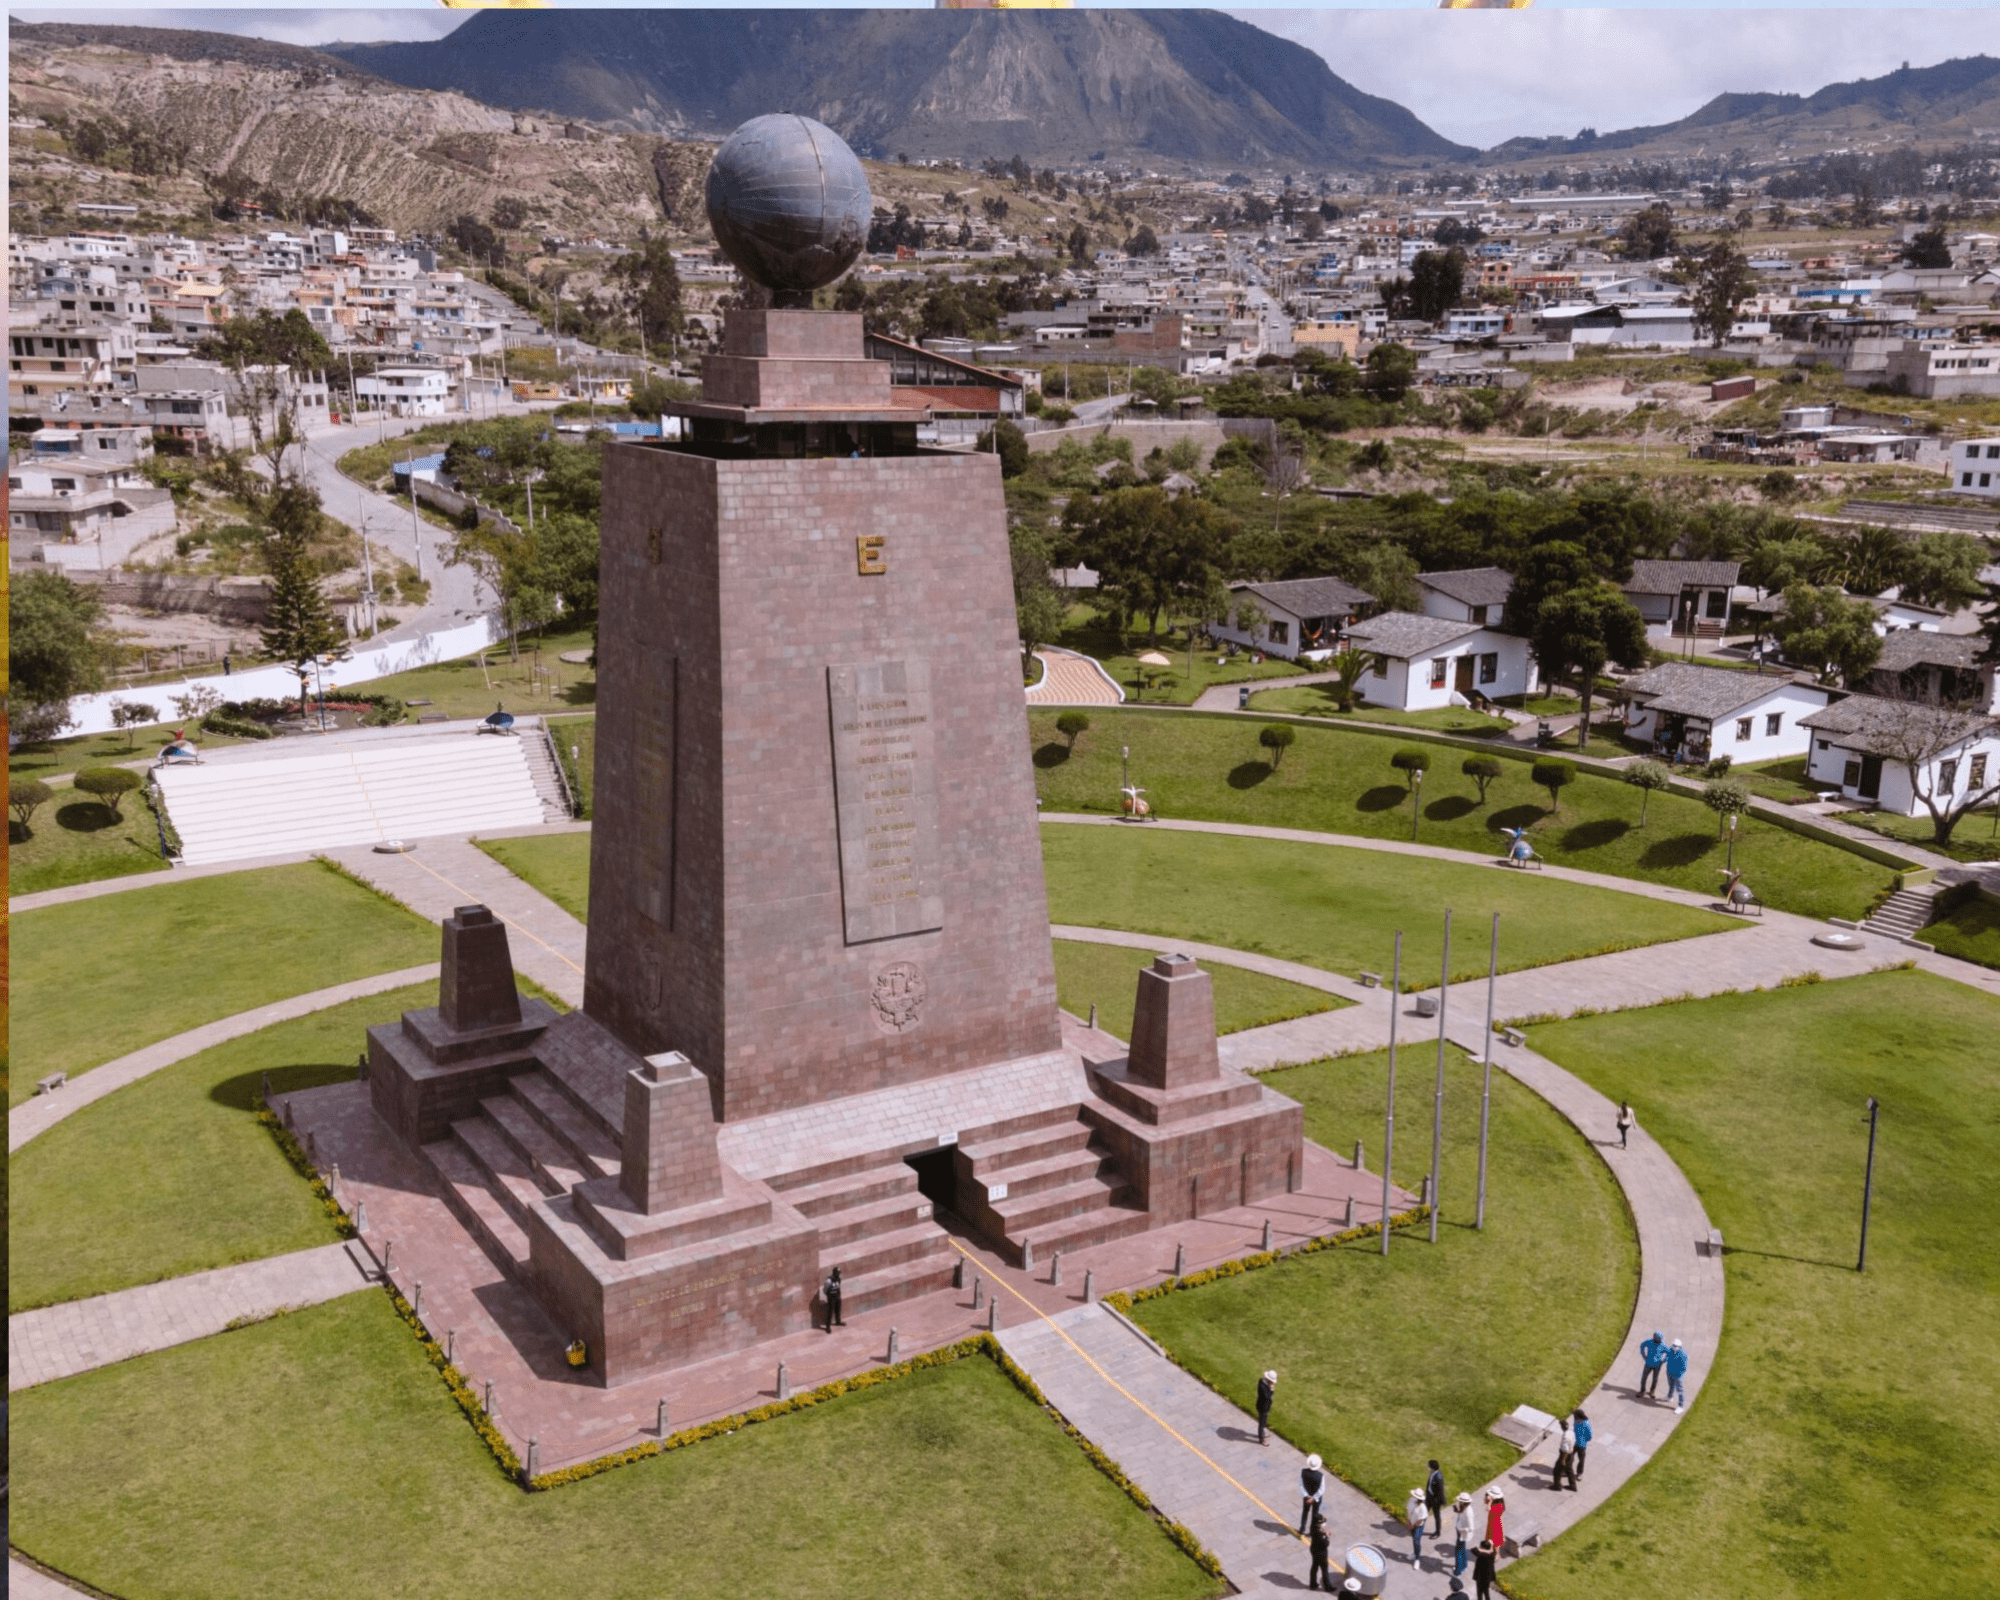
[1192,87]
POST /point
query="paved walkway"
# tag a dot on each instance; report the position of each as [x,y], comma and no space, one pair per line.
[61,1341]
[44,1111]
[1223,696]
[148,880]
[1069,679]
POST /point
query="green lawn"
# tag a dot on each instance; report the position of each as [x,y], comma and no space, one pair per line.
[75,839]
[1976,838]
[1317,700]
[578,734]
[99,1207]
[472,685]
[1107,976]
[1338,780]
[58,758]
[1972,932]
[558,864]
[102,977]
[1339,909]
[1847,1430]
[1180,684]
[1384,1365]
[330,1453]
[1783,781]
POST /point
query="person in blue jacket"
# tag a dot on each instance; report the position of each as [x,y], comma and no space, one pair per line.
[1654,1353]
[1677,1371]
[1580,1426]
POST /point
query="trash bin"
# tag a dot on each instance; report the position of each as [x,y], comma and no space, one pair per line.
[1368,1565]
[1243,698]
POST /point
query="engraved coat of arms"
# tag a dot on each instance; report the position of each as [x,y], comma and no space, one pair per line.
[898,996]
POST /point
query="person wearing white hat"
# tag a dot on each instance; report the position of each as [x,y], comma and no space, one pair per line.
[1417,1518]
[1461,1529]
[1267,1391]
[1312,1485]
[1677,1371]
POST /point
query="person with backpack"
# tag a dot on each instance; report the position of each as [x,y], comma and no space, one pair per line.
[1565,1458]
[1434,1498]
[830,1290]
[1580,1426]
[1267,1391]
[1482,1570]
[1625,1120]
[1321,1545]
[1312,1485]
[1677,1371]
[1654,1353]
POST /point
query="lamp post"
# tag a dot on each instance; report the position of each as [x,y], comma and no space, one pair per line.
[1124,768]
[1389,1125]
[1437,1105]
[1732,841]
[1486,1086]
[1416,800]
[1868,1183]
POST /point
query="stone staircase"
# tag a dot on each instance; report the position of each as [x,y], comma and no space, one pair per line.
[873,1225]
[533,1141]
[1905,914]
[542,770]
[1041,1183]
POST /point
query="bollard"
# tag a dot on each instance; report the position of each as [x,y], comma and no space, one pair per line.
[1093,1015]
[958,1273]
[1348,1221]
[1292,1174]
[784,1382]
[333,1183]
[450,1345]
[1360,1150]
[1089,1286]
[388,1249]
[978,1293]
[417,1300]
[1180,1261]
[492,1408]
[288,1111]
[892,1347]
[361,1216]
[1027,1254]
[267,1089]
[1426,1199]
[534,1448]
[1055,1266]
[660,1422]
[993,1315]
[312,1151]
[361,1066]
[1267,1233]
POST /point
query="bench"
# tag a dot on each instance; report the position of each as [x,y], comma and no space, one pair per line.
[1426,1005]
[1370,980]
[1514,1036]
[53,1082]
[1521,1537]
[1712,1245]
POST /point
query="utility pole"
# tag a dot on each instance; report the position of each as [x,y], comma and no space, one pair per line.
[1389,1125]
[1868,1183]
[1486,1086]
[416,522]
[1437,1105]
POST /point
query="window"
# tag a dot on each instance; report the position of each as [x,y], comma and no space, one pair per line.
[1947,776]
[1822,744]
[1742,729]
[60,484]
[1438,666]
[1964,481]
[1479,614]
[1993,452]
[1280,632]
[1772,723]
[1489,667]
[1975,777]
[1985,478]
[1851,778]
[1717,603]
[1379,666]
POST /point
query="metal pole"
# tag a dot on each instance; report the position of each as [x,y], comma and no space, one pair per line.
[416,524]
[1437,1107]
[1486,1087]
[1389,1126]
[1416,802]
[1868,1184]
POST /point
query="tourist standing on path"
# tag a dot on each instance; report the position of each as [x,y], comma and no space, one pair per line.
[1461,1529]
[1434,1497]
[1482,1571]
[1677,1371]
[1565,1458]
[1496,1517]
[1625,1120]
[1654,1353]
[1417,1516]
[831,1290]
[1580,1426]
[1322,1547]
[1267,1391]
[1312,1485]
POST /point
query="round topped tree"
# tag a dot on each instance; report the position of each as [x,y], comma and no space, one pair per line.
[789,204]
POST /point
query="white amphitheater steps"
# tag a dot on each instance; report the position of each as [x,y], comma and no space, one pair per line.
[304,793]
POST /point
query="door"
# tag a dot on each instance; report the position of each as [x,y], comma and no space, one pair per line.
[1462,675]
[1871,778]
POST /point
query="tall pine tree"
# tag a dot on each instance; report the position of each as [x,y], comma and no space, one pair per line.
[298,623]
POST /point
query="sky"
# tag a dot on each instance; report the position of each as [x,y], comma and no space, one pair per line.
[1475,76]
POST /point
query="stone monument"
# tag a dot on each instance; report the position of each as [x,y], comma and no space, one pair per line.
[819,997]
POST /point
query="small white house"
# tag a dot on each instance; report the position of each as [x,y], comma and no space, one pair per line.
[1471,594]
[406,391]
[1423,662]
[1894,752]
[1975,467]
[1683,596]
[1696,713]
[81,513]
[1302,615]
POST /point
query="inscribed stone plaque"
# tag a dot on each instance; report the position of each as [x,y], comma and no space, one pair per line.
[885,795]
[655,760]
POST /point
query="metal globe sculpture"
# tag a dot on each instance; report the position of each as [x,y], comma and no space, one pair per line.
[789,205]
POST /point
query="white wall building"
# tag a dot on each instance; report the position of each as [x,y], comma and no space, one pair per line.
[1303,615]
[1975,467]
[1864,746]
[79,513]
[1423,662]
[1470,594]
[1697,713]
[406,391]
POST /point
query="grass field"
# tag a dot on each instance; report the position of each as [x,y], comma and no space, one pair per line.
[1385,1364]
[1338,780]
[329,1451]
[1107,976]
[558,864]
[1971,932]
[102,977]
[101,1209]
[1316,700]
[1976,838]
[473,685]
[1339,909]
[49,759]
[75,839]
[578,734]
[1850,1415]
[1783,781]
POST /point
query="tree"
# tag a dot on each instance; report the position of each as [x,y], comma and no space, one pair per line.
[1555,776]
[510,211]
[1250,619]
[1388,572]
[1927,251]
[1823,629]
[57,647]
[1006,440]
[652,289]
[1072,725]
[1078,244]
[109,784]
[651,396]
[1038,603]
[1942,570]
[1646,777]
[1648,234]
[1409,761]
[1777,564]
[1277,737]
[1726,797]
[26,796]
[1720,283]
[1150,553]
[1348,668]
[197,702]
[475,239]
[1144,242]
[1579,631]
[1392,371]
[269,340]
[1547,569]
[132,714]
[298,623]
[1482,770]
[1437,278]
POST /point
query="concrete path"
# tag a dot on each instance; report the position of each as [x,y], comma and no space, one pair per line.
[440,875]
[147,880]
[1223,696]
[1069,679]
[28,1583]
[1194,1453]
[44,1111]
[61,1341]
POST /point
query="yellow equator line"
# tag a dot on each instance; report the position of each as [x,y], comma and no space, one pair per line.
[1167,1427]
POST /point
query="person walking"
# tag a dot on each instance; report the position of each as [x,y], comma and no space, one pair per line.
[1461,1531]
[1482,1571]
[1654,1353]
[1416,1517]
[1580,1426]
[831,1291]
[1677,1371]
[1565,1458]
[1267,1391]
[1322,1547]
[1625,1120]
[1434,1497]
[1312,1485]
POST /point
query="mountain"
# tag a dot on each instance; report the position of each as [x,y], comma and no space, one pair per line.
[1193,87]
[1953,101]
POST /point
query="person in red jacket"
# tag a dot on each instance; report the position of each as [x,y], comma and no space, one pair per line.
[1496,1512]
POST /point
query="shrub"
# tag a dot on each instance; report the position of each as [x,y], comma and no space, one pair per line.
[1555,776]
[1716,768]
[1071,725]
[108,784]
[1410,761]
[1277,737]
[197,702]
[130,714]
[1646,776]
[25,796]
[235,727]
[1482,770]
[1723,796]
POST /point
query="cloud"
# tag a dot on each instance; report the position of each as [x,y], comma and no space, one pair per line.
[1484,76]
[315,26]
